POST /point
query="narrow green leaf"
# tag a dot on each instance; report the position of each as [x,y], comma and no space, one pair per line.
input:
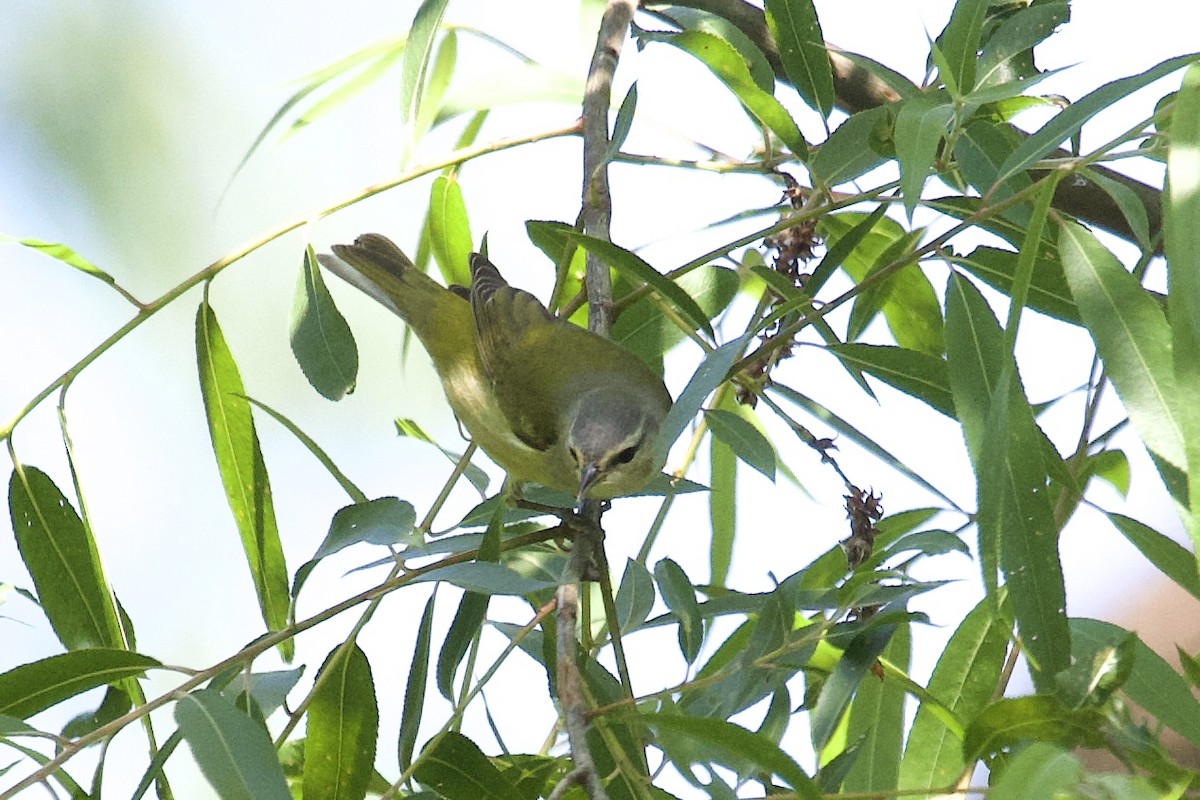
[1006,93]
[629,264]
[1182,245]
[355,493]
[12,725]
[911,308]
[680,596]
[1049,292]
[512,85]
[722,509]
[32,688]
[342,728]
[980,151]
[906,298]
[1027,261]
[962,208]
[959,42]
[975,355]
[921,125]
[964,681]
[1013,503]
[915,373]
[243,471]
[759,65]
[745,668]
[747,442]
[1153,684]
[234,752]
[485,578]
[734,746]
[416,56]
[927,543]
[60,252]
[635,596]
[321,339]
[1007,53]
[450,231]
[1171,558]
[1131,206]
[852,433]
[1071,119]
[468,619]
[797,31]
[850,670]
[622,124]
[644,329]
[708,376]
[455,766]
[1041,771]
[440,76]
[877,723]
[1015,520]
[414,690]
[352,86]
[841,241]
[387,50]
[851,150]
[729,66]
[382,521]
[61,556]
[1134,340]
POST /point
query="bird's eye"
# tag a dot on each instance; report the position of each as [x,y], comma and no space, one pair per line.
[625,456]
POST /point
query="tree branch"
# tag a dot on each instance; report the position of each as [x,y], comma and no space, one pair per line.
[595,214]
[856,89]
[596,211]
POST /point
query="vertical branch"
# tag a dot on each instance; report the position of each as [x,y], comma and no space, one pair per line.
[596,211]
[595,214]
[570,697]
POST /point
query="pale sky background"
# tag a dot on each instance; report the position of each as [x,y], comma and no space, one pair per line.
[120,125]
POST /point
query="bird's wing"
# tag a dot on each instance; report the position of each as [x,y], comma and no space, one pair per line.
[511,327]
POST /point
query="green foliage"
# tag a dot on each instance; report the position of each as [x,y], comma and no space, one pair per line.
[669,685]
[342,729]
[243,469]
[321,338]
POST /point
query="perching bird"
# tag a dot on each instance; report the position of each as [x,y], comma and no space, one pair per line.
[549,401]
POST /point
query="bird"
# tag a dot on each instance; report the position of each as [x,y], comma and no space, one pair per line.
[550,402]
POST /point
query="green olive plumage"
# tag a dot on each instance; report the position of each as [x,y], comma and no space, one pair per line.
[549,401]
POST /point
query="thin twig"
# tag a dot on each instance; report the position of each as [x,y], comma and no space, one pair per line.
[596,211]
[595,214]
[570,694]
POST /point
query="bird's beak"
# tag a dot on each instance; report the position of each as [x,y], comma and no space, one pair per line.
[587,476]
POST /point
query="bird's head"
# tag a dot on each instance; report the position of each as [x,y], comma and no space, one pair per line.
[610,437]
